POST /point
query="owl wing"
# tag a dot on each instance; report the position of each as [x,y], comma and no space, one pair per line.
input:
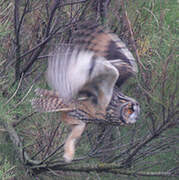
[106,44]
[72,70]
[49,101]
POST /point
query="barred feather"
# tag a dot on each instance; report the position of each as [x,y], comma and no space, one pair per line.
[49,101]
[46,93]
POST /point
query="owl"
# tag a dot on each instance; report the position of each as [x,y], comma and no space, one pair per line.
[84,77]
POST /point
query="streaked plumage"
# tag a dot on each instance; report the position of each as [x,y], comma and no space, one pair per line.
[82,77]
[108,45]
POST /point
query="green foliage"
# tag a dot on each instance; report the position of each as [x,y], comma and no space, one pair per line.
[155,27]
[6,171]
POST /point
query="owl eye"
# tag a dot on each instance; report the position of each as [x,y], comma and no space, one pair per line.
[130,110]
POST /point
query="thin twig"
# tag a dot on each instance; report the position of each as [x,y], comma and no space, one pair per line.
[152,15]
[15,91]
[16,123]
[131,34]
[22,99]
[51,139]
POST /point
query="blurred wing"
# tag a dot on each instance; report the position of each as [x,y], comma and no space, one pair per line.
[108,45]
[71,70]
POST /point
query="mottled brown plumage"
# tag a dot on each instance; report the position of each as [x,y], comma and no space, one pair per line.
[104,43]
[82,77]
[117,112]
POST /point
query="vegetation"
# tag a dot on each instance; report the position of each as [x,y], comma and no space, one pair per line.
[31,144]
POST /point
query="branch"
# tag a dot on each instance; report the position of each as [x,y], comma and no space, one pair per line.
[37,167]
[17,43]
[42,45]
[146,140]
[22,17]
[21,154]
[55,6]
[99,168]
[72,3]
[131,35]
[15,91]
[17,26]
[16,123]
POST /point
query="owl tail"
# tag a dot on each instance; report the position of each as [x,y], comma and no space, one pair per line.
[48,101]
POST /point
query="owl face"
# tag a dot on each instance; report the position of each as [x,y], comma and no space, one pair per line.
[129,112]
[123,109]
